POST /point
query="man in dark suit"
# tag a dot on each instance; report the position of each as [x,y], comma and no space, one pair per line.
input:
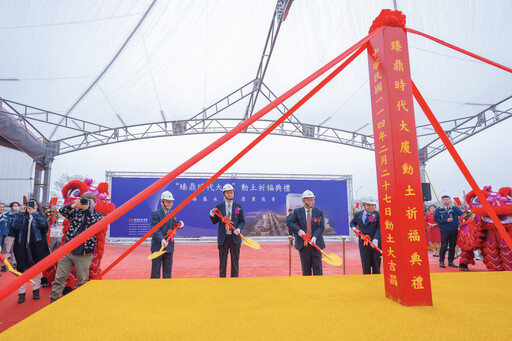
[369,223]
[308,222]
[227,238]
[163,262]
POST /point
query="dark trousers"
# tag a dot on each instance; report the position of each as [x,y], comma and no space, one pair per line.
[310,258]
[163,262]
[370,259]
[451,238]
[234,251]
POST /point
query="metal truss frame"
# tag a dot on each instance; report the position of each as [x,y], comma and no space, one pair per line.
[90,134]
[460,129]
[280,14]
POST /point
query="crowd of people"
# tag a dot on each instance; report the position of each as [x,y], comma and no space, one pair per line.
[24,231]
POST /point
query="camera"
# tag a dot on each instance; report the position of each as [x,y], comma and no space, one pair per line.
[84,201]
[31,204]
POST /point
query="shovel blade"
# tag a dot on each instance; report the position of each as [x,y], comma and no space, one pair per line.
[156,254]
[251,243]
[333,259]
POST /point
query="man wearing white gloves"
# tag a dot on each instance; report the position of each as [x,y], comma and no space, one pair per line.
[163,262]
[307,223]
[368,223]
[227,238]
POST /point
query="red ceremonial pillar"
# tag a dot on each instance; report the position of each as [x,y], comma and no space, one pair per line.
[404,244]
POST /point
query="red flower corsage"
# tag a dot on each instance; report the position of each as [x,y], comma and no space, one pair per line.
[317,220]
[372,218]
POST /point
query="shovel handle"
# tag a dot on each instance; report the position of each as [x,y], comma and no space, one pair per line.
[319,249]
[242,236]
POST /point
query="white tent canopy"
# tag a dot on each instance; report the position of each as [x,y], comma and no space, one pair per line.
[188,54]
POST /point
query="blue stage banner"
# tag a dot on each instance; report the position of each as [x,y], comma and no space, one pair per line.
[265,203]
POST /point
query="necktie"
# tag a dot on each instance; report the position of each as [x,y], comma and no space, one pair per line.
[366,219]
[228,214]
[308,223]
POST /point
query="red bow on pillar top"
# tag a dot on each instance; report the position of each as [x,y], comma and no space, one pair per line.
[388,17]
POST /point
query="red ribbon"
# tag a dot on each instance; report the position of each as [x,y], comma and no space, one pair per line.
[172,232]
[225,220]
[307,238]
[366,238]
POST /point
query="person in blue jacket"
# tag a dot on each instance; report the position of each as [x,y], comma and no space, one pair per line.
[447,218]
[163,263]
[4,229]
[8,243]
[228,240]
[368,222]
[308,220]
[30,244]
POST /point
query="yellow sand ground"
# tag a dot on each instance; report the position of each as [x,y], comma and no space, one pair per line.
[467,306]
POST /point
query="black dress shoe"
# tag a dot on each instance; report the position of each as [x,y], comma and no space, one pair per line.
[435,255]
[452,265]
[21,298]
[441,265]
[35,294]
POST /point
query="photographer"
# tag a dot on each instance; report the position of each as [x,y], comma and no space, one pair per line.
[82,216]
[30,228]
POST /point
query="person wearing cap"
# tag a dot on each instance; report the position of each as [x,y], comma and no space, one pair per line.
[307,225]
[368,222]
[163,262]
[447,218]
[229,240]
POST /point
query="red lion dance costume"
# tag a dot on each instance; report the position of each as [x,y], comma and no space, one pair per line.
[480,233]
[72,190]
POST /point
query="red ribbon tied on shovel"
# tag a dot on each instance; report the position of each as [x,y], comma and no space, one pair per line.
[307,238]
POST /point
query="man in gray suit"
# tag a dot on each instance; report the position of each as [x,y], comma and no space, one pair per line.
[308,223]
[163,262]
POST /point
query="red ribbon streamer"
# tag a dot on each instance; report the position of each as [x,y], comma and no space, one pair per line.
[485,60]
